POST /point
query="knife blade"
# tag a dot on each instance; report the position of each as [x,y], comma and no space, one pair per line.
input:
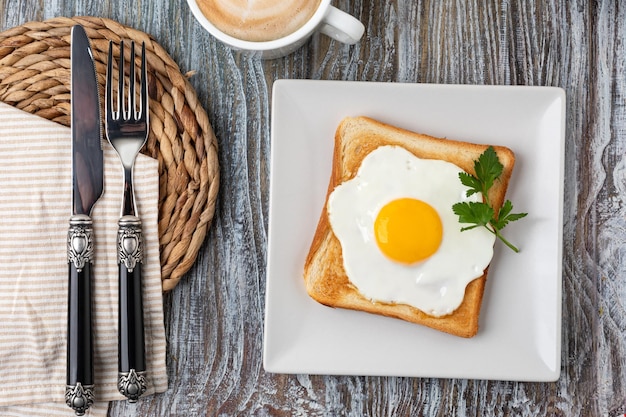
[87,187]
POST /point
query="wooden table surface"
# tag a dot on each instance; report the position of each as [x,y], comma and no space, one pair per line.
[214,318]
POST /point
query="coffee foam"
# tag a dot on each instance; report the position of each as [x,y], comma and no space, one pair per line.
[258,20]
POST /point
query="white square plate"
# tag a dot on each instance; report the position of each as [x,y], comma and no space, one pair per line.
[519,337]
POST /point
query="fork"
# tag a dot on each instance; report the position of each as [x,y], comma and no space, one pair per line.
[127,131]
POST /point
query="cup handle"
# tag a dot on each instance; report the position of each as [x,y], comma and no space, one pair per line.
[342,26]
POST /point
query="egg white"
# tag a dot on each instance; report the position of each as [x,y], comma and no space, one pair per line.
[435,285]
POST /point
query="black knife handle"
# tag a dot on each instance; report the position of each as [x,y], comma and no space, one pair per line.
[79,389]
[131,341]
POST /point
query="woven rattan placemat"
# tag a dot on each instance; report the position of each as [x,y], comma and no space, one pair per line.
[35,77]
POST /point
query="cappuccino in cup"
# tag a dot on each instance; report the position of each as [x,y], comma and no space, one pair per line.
[274,28]
[258,20]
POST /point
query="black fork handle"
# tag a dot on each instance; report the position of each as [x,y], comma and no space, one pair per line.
[131,339]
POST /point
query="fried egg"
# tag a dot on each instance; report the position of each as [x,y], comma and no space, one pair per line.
[400,240]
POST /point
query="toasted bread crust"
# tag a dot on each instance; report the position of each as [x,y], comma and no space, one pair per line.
[324,275]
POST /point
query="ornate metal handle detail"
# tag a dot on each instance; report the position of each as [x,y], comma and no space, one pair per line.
[80,241]
[79,397]
[132,384]
[129,242]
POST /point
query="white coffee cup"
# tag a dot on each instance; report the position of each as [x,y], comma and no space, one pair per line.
[327,19]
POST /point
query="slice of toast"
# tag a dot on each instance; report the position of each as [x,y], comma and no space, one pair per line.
[324,275]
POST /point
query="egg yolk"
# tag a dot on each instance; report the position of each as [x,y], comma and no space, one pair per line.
[408,230]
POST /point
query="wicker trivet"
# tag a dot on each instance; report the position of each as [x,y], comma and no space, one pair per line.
[35,77]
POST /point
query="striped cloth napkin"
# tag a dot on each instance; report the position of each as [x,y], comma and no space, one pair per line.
[35,182]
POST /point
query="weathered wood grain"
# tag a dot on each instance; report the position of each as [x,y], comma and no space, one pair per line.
[214,317]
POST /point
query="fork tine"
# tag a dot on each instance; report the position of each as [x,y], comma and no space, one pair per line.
[121,107]
[143,105]
[108,101]
[132,110]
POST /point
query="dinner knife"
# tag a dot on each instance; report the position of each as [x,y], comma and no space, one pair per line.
[87,187]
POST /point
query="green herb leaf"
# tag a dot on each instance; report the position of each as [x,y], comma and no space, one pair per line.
[471,182]
[473,212]
[488,169]
[505,216]
[480,214]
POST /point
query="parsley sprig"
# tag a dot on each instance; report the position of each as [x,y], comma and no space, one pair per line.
[488,169]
